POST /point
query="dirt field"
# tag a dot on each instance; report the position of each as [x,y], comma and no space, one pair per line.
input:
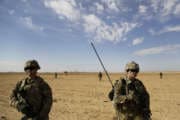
[83,97]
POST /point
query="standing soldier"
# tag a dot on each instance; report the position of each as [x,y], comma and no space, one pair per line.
[129,95]
[100,76]
[55,75]
[66,72]
[161,75]
[32,96]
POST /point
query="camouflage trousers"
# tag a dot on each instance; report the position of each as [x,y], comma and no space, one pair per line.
[128,116]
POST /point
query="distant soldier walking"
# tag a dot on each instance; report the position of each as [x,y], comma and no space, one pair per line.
[32,96]
[55,75]
[100,76]
[130,98]
[161,75]
[66,72]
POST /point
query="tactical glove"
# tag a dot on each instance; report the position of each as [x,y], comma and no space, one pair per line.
[111,94]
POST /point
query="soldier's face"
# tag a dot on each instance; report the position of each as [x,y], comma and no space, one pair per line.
[31,72]
[131,74]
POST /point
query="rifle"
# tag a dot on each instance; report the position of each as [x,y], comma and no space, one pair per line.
[102,64]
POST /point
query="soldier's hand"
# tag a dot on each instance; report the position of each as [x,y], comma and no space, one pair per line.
[120,99]
[13,104]
[111,94]
[18,106]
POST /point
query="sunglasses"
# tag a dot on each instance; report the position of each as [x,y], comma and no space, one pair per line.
[30,68]
[132,70]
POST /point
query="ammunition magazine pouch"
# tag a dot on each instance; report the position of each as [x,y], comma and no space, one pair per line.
[26,109]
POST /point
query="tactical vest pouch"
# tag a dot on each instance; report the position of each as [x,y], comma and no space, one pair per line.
[26,109]
[23,105]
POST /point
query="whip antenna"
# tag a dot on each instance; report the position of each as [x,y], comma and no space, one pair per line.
[102,64]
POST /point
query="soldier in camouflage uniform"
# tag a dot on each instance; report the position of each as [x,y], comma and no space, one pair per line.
[129,95]
[100,76]
[32,96]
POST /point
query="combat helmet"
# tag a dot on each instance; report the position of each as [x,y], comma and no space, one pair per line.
[132,65]
[31,64]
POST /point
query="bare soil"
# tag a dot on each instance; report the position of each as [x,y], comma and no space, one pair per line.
[84,97]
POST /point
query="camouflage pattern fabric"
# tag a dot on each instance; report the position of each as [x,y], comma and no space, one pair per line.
[32,97]
[130,100]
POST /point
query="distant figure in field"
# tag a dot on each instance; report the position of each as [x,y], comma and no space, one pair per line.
[32,96]
[100,76]
[130,97]
[55,75]
[66,72]
[161,75]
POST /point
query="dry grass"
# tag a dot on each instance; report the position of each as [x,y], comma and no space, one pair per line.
[83,97]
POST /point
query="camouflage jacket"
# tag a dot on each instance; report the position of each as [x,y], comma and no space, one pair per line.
[34,95]
[130,96]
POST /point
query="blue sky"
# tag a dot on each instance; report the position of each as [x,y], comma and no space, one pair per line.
[57,34]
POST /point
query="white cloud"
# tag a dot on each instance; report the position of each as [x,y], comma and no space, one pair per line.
[142,9]
[115,32]
[11,12]
[143,13]
[111,4]
[27,21]
[116,6]
[165,30]
[163,8]
[152,32]
[138,41]
[168,7]
[103,31]
[92,24]
[24,0]
[155,4]
[177,10]
[99,7]
[65,8]
[157,50]
[171,29]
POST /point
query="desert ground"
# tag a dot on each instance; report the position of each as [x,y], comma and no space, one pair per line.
[81,96]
